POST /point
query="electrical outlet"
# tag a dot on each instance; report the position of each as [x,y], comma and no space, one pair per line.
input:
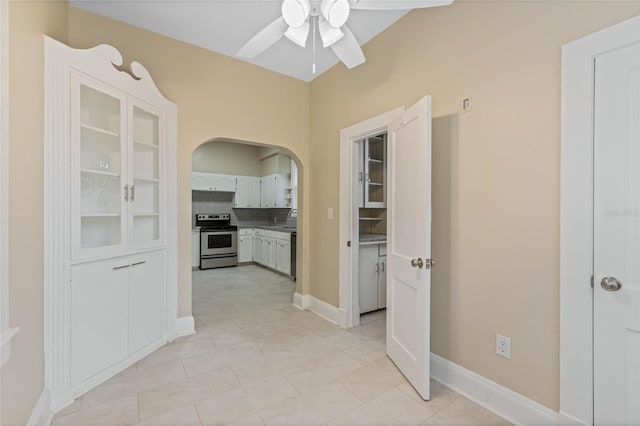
[503,346]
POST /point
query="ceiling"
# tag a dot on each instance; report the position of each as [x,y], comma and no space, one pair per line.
[224,26]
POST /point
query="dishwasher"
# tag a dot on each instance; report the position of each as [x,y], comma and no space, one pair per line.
[294,237]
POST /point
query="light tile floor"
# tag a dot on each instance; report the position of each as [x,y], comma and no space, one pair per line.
[258,360]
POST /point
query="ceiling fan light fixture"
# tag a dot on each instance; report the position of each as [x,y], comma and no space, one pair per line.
[336,12]
[295,12]
[299,34]
[328,33]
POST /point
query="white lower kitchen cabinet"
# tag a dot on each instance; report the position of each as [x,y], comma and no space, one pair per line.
[245,245]
[258,246]
[117,308]
[372,277]
[270,252]
[283,252]
[195,247]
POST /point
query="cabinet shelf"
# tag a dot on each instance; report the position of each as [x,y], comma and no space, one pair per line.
[100,130]
[142,214]
[99,173]
[375,183]
[145,179]
[100,215]
[147,144]
[375,160]
[377,219]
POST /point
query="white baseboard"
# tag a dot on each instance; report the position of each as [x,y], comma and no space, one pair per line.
[318,307]
[184,327]
[300,301]
[41,414]
[565,419]
[343,319]
[506,403]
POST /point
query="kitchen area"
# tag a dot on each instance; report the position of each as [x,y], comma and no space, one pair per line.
[244,208]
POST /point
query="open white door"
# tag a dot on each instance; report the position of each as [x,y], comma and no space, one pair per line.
[409,244]
[616,304]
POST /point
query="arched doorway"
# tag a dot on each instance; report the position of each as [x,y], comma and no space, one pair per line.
[245,271]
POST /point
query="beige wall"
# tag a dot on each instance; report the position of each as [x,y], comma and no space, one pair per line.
[227,158]
[276,164]
[496,169]
[22,375]
[216,97]
[497,248]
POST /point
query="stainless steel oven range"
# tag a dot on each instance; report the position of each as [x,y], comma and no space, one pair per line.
[218,241]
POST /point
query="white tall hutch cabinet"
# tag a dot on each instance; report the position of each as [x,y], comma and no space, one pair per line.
[110,218]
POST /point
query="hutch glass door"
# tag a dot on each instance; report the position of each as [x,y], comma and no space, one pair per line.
[97,129]
[146,185]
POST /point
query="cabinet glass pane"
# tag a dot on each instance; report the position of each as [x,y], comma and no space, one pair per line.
[100,169]
[376,147]
[146,167]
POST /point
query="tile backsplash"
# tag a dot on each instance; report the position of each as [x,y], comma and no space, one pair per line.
[204,202]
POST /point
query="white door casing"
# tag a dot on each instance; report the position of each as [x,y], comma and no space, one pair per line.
[409,244]
[616,325]
[577,226]
[350,161]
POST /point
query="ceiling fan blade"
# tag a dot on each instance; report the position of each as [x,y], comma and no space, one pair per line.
[264,39]
[348,50]
[397,4]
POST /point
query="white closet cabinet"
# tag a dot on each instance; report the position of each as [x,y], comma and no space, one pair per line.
[372,277]
[110,213]
[372,171]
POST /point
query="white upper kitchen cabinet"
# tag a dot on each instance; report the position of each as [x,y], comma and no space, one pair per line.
[201,181]
[268,191]
[276,191]
[247,192]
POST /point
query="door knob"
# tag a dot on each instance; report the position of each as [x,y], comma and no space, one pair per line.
[610,284]
[417,263]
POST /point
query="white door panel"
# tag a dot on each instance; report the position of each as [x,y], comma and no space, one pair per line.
[409,238]
[617,237]
[99,316]
[146,299]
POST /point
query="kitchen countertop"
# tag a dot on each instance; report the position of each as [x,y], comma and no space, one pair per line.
[277,228]
[373,238]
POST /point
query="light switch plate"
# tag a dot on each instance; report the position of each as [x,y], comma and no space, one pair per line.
[330,213]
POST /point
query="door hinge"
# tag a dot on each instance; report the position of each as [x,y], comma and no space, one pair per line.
[591,281]
[348,243]
[428,263]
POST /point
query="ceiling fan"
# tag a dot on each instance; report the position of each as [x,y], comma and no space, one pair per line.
[330,17]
